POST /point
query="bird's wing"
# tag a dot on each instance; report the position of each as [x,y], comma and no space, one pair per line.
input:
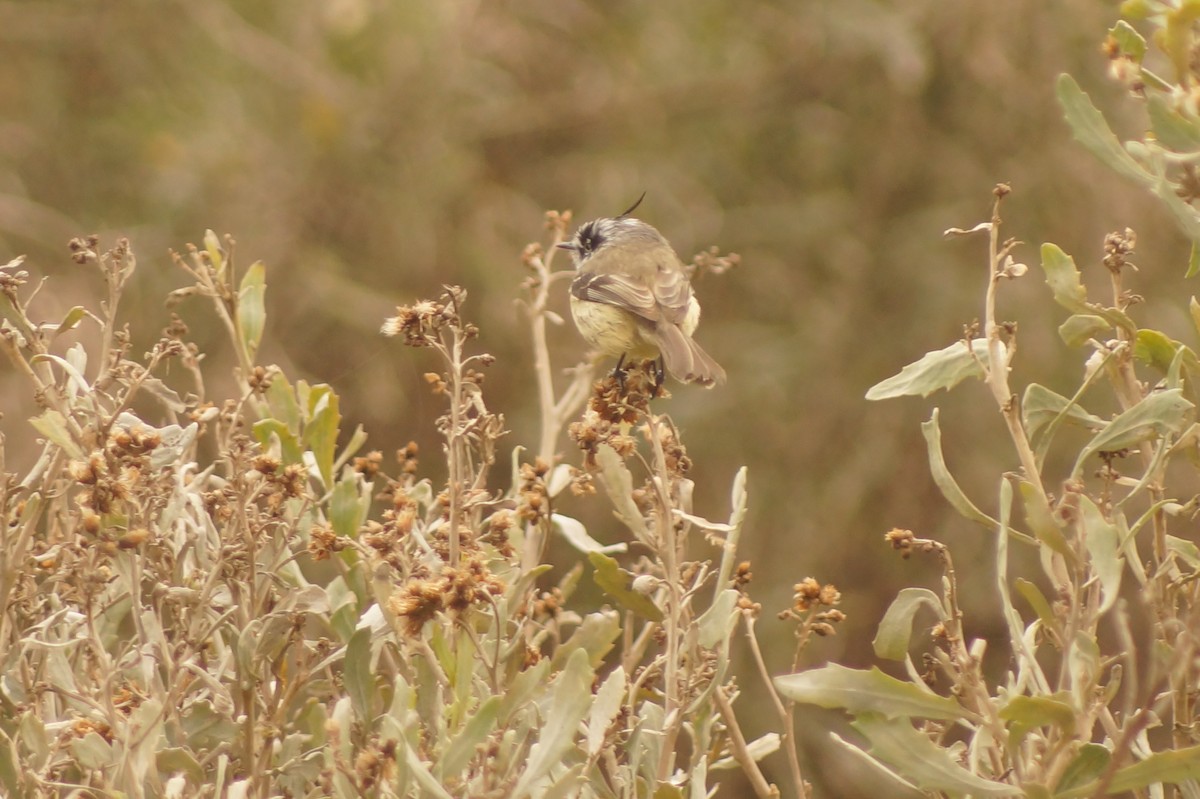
[667,299]
[618,290]
[673,293]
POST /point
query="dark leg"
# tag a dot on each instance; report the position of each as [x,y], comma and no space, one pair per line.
[619,373]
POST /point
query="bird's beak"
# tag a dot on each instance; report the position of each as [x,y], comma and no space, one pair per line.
[565,245]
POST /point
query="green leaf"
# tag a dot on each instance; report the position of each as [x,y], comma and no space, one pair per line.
[1040,406]
[1155,348]
[321,429]
[929,766]
[570,703]
[266,429]
[610,697]
[1185,215]
[70,320]
[1088,764]
[944,480]
[420,773]
[737,501]
[595,636]
[618,482]
[1092,131]
[1090,128]
[72,368]
[1174,767]
[878,773]
[1187,550]
[566,783]
[142,735]
[1193,306]
[460,751]
[716,623]
[575,534]
[92,752]
[895,631]
[617,584]
[53,425]
[1042,522]
[212,245]
[522,688]
[205,727]
[281,399]
[34,741]
[357,439]
[1103,545]
[1130,43]
[1038,602]
[348,505]
[168,396]
[944,368]
[11,772]
[1027,713]
[251,308]
[1063,278]
[872,691]
[1083,664]
[1161,413]
[360,684]
[179,760]
[1172,129]
[1082,327]
[760,747]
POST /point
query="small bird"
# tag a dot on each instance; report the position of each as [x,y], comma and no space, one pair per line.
[631,297]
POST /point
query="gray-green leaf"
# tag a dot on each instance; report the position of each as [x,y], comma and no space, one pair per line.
[895,631]
[1160,414]
[926,764]
[944,368]
[872,691]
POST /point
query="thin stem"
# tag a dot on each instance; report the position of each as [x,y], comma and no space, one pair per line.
[998,361]
[741,753]
[668,551]
[554,413]
[786,717]
[453,447]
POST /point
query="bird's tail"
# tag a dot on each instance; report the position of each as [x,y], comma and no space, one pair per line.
[685,359]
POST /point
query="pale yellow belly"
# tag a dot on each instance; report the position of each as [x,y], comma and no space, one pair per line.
[617,332]
[613,331]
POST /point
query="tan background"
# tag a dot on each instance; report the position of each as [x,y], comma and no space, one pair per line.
[371,151]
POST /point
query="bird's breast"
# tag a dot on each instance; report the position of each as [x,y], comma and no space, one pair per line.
[611,330]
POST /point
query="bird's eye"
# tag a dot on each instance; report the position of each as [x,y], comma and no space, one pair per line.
[590,239]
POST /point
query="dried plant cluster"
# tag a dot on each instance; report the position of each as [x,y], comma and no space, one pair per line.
[203,597]
[208,596]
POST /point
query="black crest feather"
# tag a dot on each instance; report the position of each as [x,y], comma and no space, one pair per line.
[633,207]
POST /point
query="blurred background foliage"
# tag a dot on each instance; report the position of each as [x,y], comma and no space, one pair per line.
[371,150]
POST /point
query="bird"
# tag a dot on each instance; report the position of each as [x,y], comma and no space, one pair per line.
[631,297]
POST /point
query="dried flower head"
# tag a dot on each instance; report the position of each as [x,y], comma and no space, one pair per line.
[901,540]
[1118,247]
[323,542]
[368,465]
[582,484]
[419,323]
[407,458]
[533,498]
[417,601]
